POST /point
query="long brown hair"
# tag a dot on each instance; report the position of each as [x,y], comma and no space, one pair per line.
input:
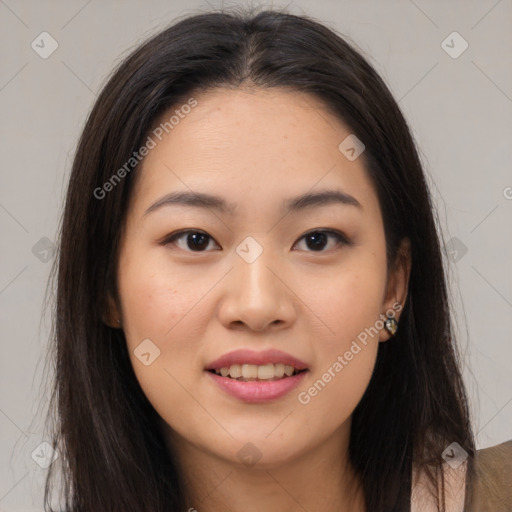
[112,454]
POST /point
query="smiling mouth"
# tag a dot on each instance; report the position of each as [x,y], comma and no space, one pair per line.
[252,372]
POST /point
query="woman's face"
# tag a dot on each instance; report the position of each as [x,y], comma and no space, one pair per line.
[264,283]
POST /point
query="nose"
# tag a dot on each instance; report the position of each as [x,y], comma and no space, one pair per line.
[257,295]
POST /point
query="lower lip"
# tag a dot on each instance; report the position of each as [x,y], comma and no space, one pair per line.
[258,391]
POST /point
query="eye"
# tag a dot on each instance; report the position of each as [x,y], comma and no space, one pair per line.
[195,240]
[317,240]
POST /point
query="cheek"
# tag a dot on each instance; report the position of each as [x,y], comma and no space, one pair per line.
[349,305]
[162,307]
[159,306]
[345,360]
[350,302]
[155,301]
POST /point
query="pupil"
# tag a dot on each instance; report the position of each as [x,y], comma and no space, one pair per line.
[319,243]
[195,236]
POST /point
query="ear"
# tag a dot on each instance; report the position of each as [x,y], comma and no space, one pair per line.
[397,286]
[111,315]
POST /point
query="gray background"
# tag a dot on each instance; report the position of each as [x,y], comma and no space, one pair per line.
[460,111]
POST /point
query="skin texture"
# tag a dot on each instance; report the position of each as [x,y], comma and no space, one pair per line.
[256,148]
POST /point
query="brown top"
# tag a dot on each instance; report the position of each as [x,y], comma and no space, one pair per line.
[492,484]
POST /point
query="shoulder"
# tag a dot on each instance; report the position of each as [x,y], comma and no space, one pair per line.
[491,481]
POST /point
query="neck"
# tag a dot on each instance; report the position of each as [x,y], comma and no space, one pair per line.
[320,479]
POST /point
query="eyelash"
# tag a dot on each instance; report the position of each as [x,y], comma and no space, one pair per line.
[339,236]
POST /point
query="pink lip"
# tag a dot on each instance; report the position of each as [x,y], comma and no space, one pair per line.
[257,391]
[258,358]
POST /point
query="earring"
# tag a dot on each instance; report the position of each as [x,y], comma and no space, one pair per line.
[391,325]
[119,321]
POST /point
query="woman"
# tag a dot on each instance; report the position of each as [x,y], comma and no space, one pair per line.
[251,304]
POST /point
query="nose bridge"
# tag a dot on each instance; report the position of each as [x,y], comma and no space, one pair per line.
[254,257]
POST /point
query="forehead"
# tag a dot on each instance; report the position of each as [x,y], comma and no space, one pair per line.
[272,142]
[236,121]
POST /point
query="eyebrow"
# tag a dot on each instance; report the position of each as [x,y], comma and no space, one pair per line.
[307,200]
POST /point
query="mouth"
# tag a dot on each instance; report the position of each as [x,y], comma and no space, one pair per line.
[257,377]
[254,389]
[263,373]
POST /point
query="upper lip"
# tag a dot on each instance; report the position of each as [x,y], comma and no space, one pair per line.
[257,358]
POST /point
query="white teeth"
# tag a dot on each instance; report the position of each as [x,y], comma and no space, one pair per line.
[235,371]
[266,371]
[251,371]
